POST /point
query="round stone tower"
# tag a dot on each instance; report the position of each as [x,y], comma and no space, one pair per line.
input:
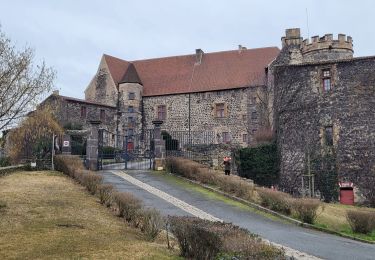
[326,48]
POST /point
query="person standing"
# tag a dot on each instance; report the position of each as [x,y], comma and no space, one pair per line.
[227,166]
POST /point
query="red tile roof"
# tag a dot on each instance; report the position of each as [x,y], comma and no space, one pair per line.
[217,71]
[77,100]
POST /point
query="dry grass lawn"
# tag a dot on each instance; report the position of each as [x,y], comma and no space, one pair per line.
[47,215]
[333,216]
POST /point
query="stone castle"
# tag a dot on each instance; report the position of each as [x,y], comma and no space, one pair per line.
[315,96]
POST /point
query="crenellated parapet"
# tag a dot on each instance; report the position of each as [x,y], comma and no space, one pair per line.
[326,47]
[299,50]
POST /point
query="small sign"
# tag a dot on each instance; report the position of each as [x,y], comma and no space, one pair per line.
[33,164]
[66,144]
[346,184]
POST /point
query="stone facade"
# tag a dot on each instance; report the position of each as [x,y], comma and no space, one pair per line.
[204,114]
[328,95]
[102,88]
[80,112]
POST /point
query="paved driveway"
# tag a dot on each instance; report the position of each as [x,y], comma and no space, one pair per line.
[315,243]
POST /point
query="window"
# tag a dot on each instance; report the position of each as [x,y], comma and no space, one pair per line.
[220,110]
[130,109]
[244,138]
[83,112]
[102,114]
[162,113]
[226,137]
[130,131]
[131,95]
[254,115]
[254,131]
[244,117]
[328,134]
[326,79]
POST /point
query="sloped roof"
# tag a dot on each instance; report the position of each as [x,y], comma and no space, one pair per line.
[117,67]
[131,75]
[180,74]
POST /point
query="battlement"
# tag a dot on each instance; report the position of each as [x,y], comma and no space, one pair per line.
[292,37]
[326,42]
[319,49]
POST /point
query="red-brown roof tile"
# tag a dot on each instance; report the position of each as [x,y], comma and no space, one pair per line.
[117,67]
[217,71]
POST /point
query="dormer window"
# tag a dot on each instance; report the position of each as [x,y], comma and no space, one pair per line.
[326,80]
[131,95]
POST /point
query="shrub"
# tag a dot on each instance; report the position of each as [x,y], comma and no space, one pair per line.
[306,209]
[194,238]
[4,161]
[195,171]
[361,221]
[203,239]
[92,182]
[128,205]
[275,200]
[105,194]
[243,246]
[259,164]
[151,223]
[68,164]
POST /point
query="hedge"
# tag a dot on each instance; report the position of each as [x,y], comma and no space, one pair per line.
[259,164]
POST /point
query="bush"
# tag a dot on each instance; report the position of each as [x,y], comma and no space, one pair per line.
[275,200]
[68,164]
[194,238]
[203,239]
[5,161]
[195,171]
[105,194]
[128,205]
[259,164]
[306,209]
[151,223]
[361,221]
[92,182]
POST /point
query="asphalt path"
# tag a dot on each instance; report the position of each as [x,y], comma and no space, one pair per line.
[312,242]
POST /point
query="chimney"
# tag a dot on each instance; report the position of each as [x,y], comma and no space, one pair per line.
[240,48]
[198,56]
[55,92]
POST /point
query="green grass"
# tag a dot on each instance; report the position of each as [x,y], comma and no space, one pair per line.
[213,195]
[49,216]
[331,216]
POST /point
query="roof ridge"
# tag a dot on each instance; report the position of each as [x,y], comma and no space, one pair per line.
[193,54]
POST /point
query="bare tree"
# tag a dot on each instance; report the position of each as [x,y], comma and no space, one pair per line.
[22,83]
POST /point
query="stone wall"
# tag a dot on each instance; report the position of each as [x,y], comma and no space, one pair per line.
[304,110]
[131,107]
[236,120]
[102,88]
[69,111]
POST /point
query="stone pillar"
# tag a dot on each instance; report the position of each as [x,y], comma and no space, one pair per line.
[159,146]
[92,146]
[66,145]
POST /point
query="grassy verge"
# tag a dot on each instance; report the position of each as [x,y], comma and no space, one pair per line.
[213,195]
[333,217]
[47,215]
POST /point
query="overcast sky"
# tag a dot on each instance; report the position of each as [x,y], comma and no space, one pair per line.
[72,35]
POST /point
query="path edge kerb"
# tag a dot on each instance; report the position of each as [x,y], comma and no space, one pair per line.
[274,213]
